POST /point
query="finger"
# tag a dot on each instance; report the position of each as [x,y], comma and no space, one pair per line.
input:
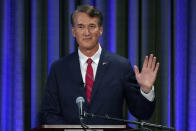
[136,70]
[153,63]
[145,65]
[150,61]
[156,68]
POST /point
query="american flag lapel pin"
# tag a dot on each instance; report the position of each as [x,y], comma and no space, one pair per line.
[104,63]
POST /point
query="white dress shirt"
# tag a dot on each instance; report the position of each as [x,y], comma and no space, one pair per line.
[83,66]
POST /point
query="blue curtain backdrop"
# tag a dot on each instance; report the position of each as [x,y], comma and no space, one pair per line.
[35,33]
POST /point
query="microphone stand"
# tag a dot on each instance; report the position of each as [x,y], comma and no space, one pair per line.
[84,126]
[141,124]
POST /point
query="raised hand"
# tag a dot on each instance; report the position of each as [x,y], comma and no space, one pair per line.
[147,76]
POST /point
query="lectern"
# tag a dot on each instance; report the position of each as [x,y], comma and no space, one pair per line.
[80,128]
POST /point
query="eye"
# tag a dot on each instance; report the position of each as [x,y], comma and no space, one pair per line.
[80,26]
[92,26]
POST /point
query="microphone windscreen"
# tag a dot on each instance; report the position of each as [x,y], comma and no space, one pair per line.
[79,99]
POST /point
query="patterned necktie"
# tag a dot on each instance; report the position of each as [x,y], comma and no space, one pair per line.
[89,80]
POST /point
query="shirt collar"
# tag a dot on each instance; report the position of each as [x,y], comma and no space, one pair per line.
[95,57]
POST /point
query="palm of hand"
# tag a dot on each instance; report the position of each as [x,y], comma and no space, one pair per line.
[147,76]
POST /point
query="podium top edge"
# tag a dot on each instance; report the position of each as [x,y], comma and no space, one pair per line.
[79,126]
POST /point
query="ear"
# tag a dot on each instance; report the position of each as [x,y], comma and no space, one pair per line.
[101,30]
[73,32]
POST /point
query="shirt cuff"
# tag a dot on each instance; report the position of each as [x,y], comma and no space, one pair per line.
[150,96]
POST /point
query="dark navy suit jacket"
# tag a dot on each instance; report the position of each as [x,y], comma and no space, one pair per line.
[114,82]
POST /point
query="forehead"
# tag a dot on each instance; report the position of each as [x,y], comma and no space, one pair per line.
[83,18]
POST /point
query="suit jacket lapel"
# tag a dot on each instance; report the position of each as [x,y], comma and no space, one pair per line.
[101,69]
[76,71]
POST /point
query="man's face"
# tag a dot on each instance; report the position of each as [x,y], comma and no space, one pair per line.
[86,31]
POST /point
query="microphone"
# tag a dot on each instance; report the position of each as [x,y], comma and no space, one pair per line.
[79,102]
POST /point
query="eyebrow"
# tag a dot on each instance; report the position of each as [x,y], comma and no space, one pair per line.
[92,24]
[88,24]
[79,24]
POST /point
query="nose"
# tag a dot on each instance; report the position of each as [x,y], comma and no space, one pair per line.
[86,31]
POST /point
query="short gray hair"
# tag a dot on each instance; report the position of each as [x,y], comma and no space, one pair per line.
[91,11]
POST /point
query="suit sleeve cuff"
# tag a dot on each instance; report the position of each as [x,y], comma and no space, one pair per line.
[150,96]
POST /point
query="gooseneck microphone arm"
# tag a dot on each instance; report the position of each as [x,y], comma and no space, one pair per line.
[82,114]
[142,124]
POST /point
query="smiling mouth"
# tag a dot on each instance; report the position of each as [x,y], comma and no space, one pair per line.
[87,39]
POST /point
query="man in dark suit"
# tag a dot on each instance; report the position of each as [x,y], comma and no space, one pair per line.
[108,78]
